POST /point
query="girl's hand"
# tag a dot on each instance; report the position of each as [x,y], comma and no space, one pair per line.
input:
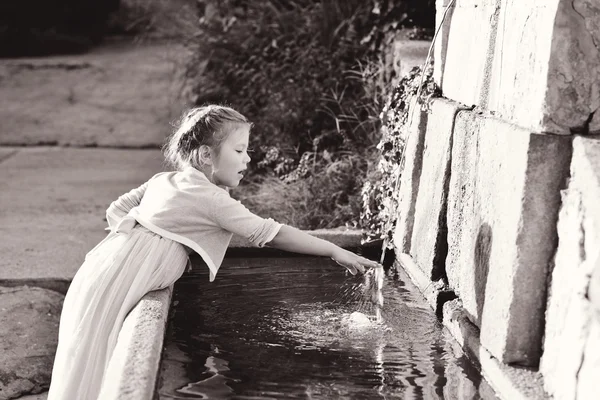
[353,262]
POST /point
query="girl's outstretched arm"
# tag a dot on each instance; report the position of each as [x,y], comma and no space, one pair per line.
[294,240]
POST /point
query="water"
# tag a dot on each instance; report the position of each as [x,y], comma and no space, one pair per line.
[301,328]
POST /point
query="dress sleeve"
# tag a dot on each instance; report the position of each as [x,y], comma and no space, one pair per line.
[120,207]
[234,217]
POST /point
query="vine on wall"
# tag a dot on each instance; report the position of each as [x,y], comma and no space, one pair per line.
[380,194]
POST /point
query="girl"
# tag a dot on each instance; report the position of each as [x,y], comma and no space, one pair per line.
[153,229]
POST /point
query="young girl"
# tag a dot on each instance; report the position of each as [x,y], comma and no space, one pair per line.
[153,229]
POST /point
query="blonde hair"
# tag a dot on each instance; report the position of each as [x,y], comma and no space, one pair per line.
[208,125]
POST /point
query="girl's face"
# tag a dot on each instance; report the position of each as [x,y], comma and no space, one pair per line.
[231,160]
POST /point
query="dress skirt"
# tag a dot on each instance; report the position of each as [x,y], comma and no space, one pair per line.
[115,275]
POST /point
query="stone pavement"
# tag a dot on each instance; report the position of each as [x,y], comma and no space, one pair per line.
[116,104]
[52,206]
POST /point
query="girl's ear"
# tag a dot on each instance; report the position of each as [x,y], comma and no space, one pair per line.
[204,155]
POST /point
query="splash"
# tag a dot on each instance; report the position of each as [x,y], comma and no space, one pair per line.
[373,292]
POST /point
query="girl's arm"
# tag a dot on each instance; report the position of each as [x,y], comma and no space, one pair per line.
[120,207]
[294,240]
[232,216]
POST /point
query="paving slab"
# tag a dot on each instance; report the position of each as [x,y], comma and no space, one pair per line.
[53,202]
[121,94]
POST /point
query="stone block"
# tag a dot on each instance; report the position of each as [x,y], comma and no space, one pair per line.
[471,31]
[409,180]
[525,52]
[503,203]
[440,46]
[428,242]
[571,354]
[553,65]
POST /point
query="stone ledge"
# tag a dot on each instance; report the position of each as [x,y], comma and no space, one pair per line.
[133,369]
[510,383]
[344,237]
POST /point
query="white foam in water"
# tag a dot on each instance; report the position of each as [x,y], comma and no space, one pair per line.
[358,319]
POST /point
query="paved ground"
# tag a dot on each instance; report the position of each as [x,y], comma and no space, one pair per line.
[116,104]
[121,94]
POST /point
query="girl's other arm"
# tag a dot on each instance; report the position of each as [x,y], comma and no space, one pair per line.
[294,240]
[120,207]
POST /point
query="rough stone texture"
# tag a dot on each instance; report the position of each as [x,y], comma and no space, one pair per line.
[570,362]
[587,378]
[441,43]
[409,180]
[119,95]
[428,247]
[516,52]
[574,71]
[471,32]
[133,369]
[503,205]
[553,65]
[53,204]
[28,337]
[509,382]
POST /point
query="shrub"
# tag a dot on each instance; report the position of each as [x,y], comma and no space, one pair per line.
[381,190]
[327,199]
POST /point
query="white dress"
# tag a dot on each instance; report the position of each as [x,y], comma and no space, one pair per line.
[115,275]
[132,261]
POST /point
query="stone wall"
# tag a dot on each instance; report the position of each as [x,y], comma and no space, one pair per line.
[500,196]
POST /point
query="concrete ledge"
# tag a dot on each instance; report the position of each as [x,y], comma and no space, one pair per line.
[514,383]
[133,369]
[347,238]
[510,383]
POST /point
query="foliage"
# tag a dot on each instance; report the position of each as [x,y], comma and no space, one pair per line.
[328,199]
[285,65]
[380,192]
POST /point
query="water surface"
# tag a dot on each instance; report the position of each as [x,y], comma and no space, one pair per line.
[283,328]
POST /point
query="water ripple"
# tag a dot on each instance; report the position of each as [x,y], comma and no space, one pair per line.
[300,328]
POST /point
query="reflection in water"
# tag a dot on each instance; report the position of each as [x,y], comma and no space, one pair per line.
[278,328]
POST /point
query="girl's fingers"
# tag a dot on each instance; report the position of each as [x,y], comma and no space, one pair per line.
[360,268]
